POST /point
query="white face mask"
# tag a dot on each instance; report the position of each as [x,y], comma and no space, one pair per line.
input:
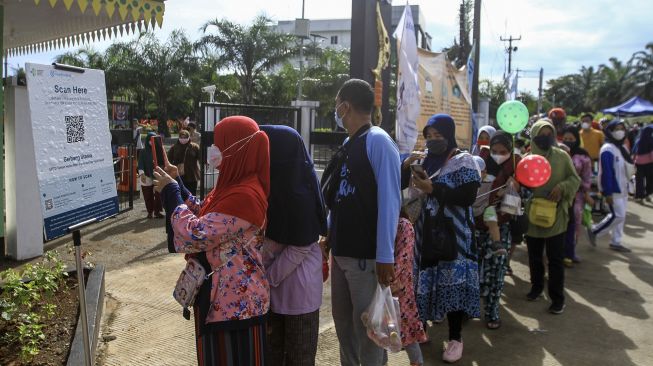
[339,120]
[215,156]
[499,159]
[619,135]
[184,141]
[585,126]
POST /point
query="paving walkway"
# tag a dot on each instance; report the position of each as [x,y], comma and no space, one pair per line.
[607,320]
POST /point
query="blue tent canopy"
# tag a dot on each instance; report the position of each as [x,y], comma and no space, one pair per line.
[634,106]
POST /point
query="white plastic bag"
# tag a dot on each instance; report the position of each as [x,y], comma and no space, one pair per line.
[383,321]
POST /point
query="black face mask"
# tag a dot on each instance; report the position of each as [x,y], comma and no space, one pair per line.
[543,142]
[437,147]
[571,144]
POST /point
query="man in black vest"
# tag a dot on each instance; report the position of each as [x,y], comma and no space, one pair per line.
[363,221]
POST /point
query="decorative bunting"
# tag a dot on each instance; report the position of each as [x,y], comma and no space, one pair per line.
[135,15]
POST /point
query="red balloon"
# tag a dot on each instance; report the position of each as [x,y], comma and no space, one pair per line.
[533,171]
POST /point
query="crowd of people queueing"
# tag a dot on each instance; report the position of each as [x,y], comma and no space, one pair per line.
[265,231]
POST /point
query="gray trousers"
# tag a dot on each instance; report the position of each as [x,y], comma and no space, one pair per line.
[353,284]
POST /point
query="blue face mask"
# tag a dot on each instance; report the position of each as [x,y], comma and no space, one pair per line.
[339,120]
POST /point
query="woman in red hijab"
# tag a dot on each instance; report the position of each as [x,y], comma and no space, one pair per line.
[222,233]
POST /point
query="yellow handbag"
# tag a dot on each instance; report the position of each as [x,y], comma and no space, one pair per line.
[542,212]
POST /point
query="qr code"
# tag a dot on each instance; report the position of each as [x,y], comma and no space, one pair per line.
[74,128]
[48,204]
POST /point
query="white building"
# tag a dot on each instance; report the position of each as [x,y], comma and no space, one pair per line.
[336,33]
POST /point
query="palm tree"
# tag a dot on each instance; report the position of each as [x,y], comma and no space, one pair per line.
[86,56]
[587,78]
[249,51]
[643,70]
[159,67]
[615,83]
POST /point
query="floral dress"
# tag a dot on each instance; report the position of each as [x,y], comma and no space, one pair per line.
[412,329]
[239,287]
[492,271]
[454,285]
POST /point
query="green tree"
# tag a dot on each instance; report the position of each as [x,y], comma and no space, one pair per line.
[459,51]
[323,79]
[496,92]
[643,72]
[86,56]
[249,51]
[159,68]
[615,83]
[567,92]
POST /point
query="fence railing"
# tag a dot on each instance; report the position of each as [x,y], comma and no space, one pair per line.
[212,113]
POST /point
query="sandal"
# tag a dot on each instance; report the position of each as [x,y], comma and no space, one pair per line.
[494,324]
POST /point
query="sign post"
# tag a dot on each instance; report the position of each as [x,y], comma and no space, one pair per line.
[77,241]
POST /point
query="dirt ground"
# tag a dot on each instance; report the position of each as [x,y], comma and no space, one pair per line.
[607,320]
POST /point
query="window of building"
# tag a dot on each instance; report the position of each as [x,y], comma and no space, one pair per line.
[334,39]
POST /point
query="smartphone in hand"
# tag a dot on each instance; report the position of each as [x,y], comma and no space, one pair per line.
[418,170]
[156,142]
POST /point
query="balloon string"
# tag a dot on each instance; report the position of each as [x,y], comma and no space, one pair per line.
[514,158]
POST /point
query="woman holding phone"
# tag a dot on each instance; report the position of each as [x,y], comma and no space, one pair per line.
[222,233]
[451,179]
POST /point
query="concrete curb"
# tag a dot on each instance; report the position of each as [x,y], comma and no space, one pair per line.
[94,308]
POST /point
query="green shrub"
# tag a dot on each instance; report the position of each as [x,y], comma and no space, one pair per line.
[27,298]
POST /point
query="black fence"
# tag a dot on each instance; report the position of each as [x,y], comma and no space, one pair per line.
[324,145]
[212,113]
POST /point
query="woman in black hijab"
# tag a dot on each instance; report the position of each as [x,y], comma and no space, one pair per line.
[291,253]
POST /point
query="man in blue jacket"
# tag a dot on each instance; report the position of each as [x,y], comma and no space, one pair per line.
[363,219]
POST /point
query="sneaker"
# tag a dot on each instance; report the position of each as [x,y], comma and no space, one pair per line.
[591,236]
[620,248]
[557,309]
[568,262]
[533,295]
[498,249]
[454,352]
[648,199]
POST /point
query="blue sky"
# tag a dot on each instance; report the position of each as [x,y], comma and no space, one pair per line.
[557,35]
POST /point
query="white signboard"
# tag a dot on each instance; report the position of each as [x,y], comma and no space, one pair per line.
[72,142]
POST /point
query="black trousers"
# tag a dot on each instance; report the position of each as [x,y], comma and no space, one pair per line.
[555,252]
[644,180]
[293,339]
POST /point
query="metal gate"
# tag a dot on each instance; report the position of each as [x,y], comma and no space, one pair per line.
[212,113]
[124,167]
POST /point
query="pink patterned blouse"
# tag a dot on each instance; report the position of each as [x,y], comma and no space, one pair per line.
[239,288]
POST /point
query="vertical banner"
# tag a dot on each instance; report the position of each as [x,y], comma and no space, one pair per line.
[72,144]
[408,92]
[444,91]
[470,85]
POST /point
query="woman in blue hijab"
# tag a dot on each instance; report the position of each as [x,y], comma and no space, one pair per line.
[291,253]
[447,288]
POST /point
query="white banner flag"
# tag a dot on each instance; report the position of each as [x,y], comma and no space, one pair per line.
[408,100]
[511,92]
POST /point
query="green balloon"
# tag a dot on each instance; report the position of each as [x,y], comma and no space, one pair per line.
[512,116]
